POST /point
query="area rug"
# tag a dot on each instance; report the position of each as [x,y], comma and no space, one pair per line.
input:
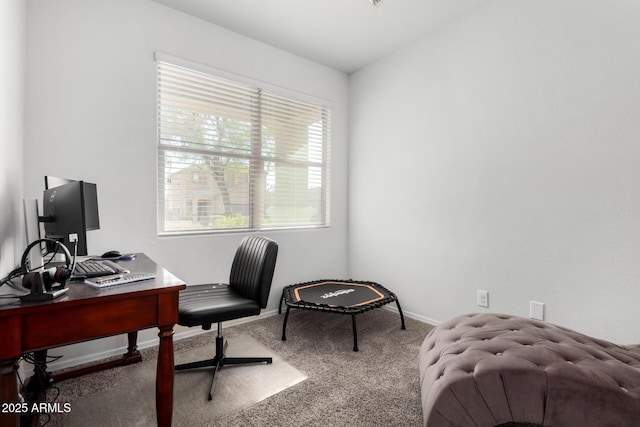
[237,388]
[376,386]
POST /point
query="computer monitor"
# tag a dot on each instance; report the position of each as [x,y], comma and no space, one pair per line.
[69,210]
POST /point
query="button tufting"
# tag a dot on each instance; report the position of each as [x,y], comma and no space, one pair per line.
[597,364]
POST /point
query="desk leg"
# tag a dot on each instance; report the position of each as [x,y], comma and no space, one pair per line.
[9,392]
[164,377]
[132,351]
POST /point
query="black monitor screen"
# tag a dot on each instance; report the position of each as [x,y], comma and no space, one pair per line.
[71,209]
[90,201]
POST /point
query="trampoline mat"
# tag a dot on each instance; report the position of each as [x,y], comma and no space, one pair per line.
[338,294]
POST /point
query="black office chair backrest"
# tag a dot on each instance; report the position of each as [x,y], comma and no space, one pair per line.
[253,267]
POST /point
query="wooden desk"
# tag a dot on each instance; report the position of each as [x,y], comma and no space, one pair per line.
[85,313]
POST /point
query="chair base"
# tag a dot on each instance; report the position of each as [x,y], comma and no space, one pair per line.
[219,360]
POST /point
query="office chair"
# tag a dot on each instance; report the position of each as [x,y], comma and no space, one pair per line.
[244,296]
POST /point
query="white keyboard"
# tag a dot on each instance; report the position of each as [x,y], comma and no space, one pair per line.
[118,279]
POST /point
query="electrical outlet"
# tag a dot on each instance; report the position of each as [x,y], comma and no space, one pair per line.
[482,298]
[536,310]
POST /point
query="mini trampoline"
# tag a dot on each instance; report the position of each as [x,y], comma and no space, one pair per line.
[337,296]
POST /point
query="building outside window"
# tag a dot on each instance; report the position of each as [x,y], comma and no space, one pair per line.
[236,156]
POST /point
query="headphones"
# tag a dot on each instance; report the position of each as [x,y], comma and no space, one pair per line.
[41,280]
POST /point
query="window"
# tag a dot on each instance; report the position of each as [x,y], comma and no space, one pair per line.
[233,155]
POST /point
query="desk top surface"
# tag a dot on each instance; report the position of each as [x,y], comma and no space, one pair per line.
[79,292]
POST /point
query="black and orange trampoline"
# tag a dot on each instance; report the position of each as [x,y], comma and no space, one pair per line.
[337,296]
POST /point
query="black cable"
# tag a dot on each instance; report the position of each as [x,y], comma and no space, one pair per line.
[44,378]
[31,359]
[12,275]
[9,281]
[75,253]
[40,380]
[48,416]
[22,269]
[52,257]
[15,286]
[20,381]
[49,400]
[43,254]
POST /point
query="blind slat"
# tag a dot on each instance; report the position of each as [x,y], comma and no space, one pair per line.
[235,156]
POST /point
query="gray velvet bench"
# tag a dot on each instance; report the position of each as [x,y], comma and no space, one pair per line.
[486,370]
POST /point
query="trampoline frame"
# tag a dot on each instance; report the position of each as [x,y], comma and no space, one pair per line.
[289,298]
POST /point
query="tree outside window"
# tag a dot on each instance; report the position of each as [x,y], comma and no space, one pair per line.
[233,156]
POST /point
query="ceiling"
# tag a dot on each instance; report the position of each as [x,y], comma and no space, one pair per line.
[342,34]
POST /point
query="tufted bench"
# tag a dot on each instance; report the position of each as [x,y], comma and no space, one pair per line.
[484,370]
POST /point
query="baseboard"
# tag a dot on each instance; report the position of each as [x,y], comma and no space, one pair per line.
[414,316]
[65,363]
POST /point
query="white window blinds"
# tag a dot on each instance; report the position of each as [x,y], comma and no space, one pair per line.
[235,156]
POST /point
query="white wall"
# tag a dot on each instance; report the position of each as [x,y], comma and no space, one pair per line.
[91,115]
[502,153]
[12,65]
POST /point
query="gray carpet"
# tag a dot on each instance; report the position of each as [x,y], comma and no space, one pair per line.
[237,388]
[378,385]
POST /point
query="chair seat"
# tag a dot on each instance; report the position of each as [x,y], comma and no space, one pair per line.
[213,303]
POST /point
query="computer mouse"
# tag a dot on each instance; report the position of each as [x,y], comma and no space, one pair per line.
[111,254]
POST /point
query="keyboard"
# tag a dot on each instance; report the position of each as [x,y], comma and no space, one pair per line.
[118,279]
[92,268]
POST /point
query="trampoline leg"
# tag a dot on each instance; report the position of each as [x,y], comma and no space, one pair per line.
[401,315]
[284,324]
[355,334]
